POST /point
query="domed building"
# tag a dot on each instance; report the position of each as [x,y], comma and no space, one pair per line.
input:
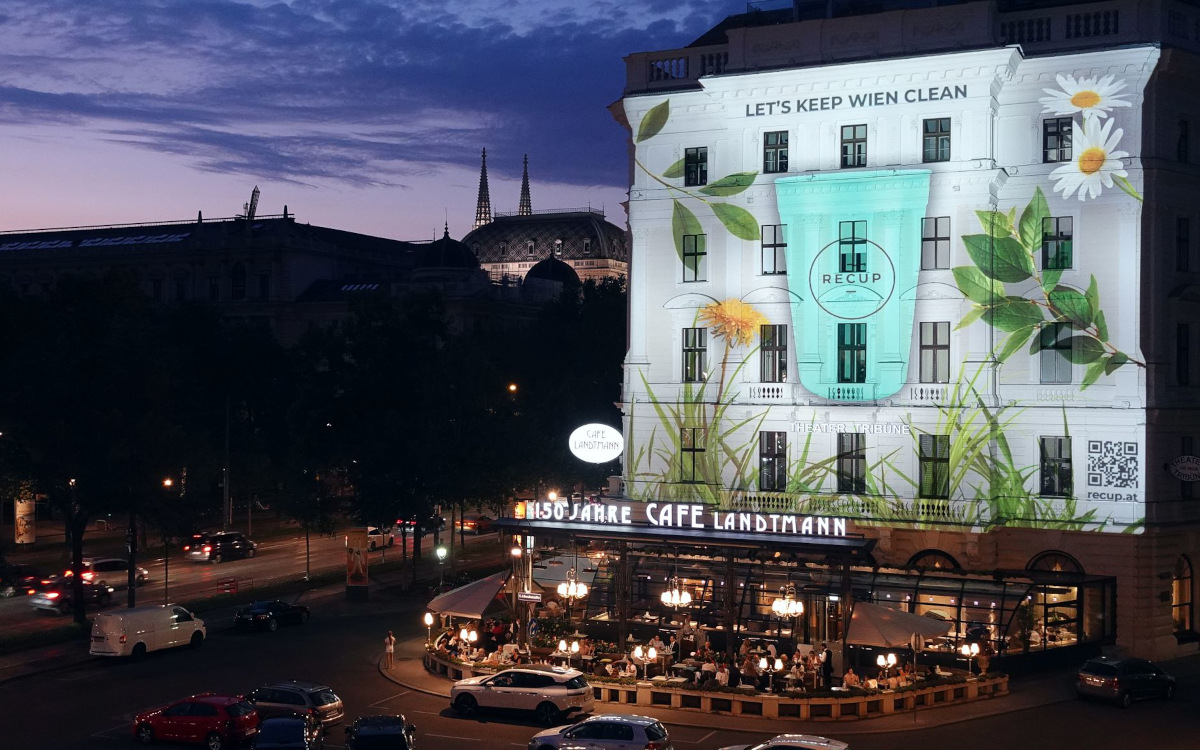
[510,245]
[547,280]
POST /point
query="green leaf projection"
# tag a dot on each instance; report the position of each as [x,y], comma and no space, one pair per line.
[736,220]
[1006,256]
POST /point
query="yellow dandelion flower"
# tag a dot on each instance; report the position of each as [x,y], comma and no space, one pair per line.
[733,320]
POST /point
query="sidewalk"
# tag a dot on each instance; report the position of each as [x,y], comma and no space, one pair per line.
[1030,691]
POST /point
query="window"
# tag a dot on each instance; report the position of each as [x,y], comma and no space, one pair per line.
[503,249]
[774,249]
[775,152]
[936,140]
[773,354]
[214,289]
[772,461]
[1183,354]
[587,247]
[935,466]
[558,246]
[1056,139]
[695,166]
[691,441]
[852,246]
[264,286]
[935,242]
[1056,466]
[1056,353]
[852,462]
[530,247]
[1183,244]
[1185,449]
[854,146]
[1181,594]
[1182,147]
[695,352]
[1056,242]
[237,282]
[852,352]
[695,257]
[935,352]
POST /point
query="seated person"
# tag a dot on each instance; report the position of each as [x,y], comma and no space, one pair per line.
[850,679]
[722,675]
[893,682]
[631,670]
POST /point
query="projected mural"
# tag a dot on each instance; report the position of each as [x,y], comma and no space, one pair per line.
[854,262]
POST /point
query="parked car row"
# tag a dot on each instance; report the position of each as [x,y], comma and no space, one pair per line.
[292,714]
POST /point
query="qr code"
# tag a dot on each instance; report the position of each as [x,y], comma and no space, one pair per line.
[1112,463]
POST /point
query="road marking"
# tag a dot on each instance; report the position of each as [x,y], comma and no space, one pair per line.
[452,737]
[431,713]
[697,742]
[385,700]
[121,729]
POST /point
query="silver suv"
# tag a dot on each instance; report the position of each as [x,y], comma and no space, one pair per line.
[296,697]
[550,692]
[794,742]
[606,732]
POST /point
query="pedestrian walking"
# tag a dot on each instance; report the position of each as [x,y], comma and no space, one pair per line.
[389,648]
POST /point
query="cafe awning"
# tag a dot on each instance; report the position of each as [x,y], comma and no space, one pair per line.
[472,599]
[874,625]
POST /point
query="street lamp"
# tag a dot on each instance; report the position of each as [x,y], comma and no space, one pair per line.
[645,657]
[441,556]
[167,484]
[428,629]
[969,652]
[886,663]
[770,668]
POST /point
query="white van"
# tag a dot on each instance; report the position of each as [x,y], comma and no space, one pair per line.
[133,632]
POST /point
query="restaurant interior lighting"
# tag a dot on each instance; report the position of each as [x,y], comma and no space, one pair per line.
[787,605]
[676,595]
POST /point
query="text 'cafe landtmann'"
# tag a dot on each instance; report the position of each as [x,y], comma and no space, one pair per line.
[734,564]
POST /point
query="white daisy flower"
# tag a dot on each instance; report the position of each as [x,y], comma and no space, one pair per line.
[1096,160]
[1091,96]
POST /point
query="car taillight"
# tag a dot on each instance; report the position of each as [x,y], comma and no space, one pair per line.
[122,638]
[187,547]
[52,595]
[88,576]
[207,548]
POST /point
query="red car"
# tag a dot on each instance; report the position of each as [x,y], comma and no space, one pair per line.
[216,721]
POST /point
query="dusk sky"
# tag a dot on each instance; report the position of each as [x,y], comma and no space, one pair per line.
[365,115]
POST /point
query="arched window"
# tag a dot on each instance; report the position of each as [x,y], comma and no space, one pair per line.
[237,282]
[1055,561]
[933,559]
[558,247]
[503,249]
[1181,594]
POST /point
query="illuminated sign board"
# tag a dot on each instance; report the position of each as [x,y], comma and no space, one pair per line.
[679,516]
[855,101]
[596,443]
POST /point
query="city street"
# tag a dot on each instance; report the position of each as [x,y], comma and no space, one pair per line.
[341,646]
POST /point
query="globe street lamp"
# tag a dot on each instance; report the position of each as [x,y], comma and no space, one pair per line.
[645,657]
[167,484]
[441,556]
[428,629]
[969,652]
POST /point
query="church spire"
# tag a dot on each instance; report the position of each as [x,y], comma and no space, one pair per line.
[526,206]
[483,205]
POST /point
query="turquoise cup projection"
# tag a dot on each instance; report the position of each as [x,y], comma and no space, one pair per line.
[853,260]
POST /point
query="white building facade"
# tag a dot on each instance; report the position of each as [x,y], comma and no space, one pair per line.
[942,290]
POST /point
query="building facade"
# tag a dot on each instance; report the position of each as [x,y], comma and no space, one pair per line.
[509,245]
[929,272]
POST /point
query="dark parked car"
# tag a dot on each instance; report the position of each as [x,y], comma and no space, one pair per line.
[1123,680]
[294,696]
[216,721]
[295,732]
[17,579]
[380,733]
[270,614]
[218,546]
[56,597]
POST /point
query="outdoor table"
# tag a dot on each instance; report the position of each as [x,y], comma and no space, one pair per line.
[678,681]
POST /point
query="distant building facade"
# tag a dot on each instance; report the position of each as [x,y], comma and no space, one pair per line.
[508,245]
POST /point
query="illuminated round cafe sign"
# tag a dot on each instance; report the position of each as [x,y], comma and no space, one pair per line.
[597,443]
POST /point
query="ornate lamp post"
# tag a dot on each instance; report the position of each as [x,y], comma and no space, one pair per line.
[969,652]
[428,629]
[644,656]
